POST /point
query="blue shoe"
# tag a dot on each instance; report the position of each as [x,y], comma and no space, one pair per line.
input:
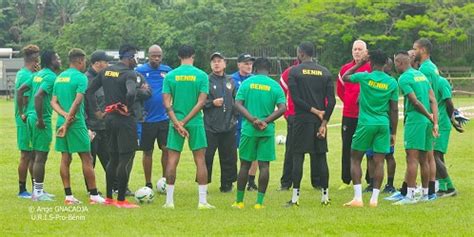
[429,198]
[397,196]
[406,201]
[24,194]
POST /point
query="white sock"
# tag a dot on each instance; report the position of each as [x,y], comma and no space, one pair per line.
[169,194]
[296,195]
[358,192]
[375,195]
[425,191]
[38,189]
[324,194]
[202,193]
[410,192]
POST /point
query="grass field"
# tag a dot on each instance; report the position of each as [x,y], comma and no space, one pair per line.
[444,217]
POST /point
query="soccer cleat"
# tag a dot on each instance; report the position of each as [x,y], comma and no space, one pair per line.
[252,187]
[373,204]
[450,193]
[49,194]
[109,201]
[238,205]
[125,204]
[292,204]
[42,197]
[204,206]
[397,196]
[72,201]
[325,201]
[226,188]
[168,206]
[25,195]
[258,206]
[354,203]
[405,201]
[97,199]
[344,186]
[389,189]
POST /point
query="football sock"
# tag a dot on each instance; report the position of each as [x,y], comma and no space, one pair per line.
[375,195]
[449,183]
[240,196]
[442,185]
[169,194]
[93,192]
[431,187]
[390,181]
[202,194]
[404,190]
[358,192]
[425,191]
[325,193]
[296,195]
[38,189]
[68,191]
[22,186]
[410,192]
[149,185]
[260,197]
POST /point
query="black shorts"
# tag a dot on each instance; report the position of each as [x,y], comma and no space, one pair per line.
[305,140]
[154,131]
[122,133]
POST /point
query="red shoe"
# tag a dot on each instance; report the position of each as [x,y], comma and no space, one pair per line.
[109,201]
[125,204]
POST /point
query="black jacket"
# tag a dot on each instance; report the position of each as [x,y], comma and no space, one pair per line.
[142,95]
[220,119]
[99,104]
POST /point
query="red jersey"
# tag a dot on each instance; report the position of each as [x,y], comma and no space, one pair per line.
[348,92]
[290,107]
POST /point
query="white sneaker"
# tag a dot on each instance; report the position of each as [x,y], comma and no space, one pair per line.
[168,206]
[203,206]
[96,199]
[72,201]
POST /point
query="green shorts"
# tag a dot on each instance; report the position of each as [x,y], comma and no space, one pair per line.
[76,140]
[257,148]
[372,137]
[40,138]
[23,139]
[418,136]
[197,138]
[441,142]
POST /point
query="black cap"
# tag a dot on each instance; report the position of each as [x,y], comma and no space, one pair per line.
[100,55]
[217,54]
[245,57]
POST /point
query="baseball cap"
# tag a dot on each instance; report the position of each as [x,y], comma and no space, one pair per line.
[100,55]
[217,54]
[245,57]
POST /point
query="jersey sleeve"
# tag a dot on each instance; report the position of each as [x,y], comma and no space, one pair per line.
[445,89]
[280,95]
[242,92]
[48,84]
[394,96]
[167,84]
[358,77]
[82,84]
[405,86]
[204,85]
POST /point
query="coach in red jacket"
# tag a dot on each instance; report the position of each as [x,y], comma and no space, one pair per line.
[348,92]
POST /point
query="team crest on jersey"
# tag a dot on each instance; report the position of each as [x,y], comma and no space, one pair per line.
[228,85]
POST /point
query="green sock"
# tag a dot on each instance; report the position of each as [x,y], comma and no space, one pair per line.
[260,197]
[442,185]
[449,183]
[240,196]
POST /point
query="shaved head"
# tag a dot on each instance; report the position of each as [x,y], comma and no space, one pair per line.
[402,61]
[155,55]
[359,50]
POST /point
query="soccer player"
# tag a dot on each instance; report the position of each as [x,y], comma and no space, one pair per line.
[256,101]
[445,117]
[348,92]
[220,122]
[378,113]
[95,114]
[423,48]
[31,65]
[185,92]
[72,134]
[312,91]
[245,64]
[39,118]
[155,126]
[421,124]
[119,82]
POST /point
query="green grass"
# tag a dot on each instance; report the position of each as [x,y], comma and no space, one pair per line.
[450,216]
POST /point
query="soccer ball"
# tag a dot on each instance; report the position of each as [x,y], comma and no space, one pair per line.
[280,139]
[161,186]
[144,195]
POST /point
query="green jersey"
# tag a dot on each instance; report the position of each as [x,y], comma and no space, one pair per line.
[185,83]
[413,81]
[22,76]
[260,94]
[444,92]
[68,84]
[430,70]
[44,79]
[376,90]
